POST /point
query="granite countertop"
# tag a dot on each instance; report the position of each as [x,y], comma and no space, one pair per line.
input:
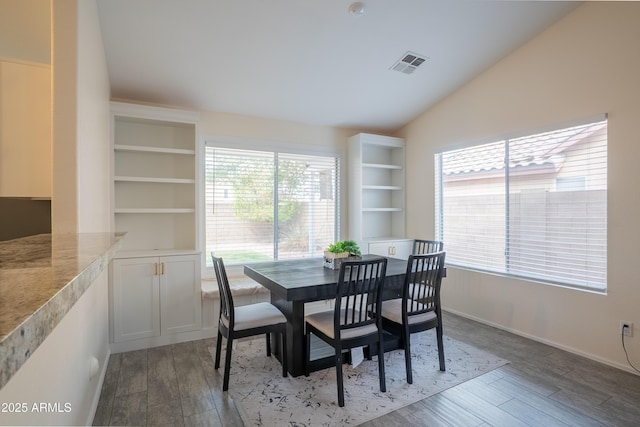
[41,278]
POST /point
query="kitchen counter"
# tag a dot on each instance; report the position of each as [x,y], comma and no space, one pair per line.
[41,278]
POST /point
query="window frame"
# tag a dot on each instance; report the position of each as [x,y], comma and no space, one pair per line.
[264,145]
[439,205]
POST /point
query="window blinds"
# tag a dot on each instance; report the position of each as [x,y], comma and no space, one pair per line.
[268,205]
[532,207]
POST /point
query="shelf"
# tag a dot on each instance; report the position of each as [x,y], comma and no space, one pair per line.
[154,190]
[154,253]
[381,166]
[376,186]
[152,179]
[142,149]
[381,187]
[381,210]
[154,210]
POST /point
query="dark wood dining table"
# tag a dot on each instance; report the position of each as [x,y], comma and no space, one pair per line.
[295,282]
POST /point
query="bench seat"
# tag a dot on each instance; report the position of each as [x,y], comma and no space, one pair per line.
[240,286]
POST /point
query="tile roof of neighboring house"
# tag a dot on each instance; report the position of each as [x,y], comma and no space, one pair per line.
[543,149]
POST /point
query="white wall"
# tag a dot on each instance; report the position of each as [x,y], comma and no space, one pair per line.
[80,201]
[25,98]
[58,371]
[93,127]
[25,30]
[64,63]
[585,65]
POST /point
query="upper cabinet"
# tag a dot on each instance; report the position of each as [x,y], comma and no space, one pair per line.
[154,178]
[25,130]
[376,188]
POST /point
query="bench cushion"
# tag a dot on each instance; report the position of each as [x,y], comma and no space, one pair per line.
[240,286]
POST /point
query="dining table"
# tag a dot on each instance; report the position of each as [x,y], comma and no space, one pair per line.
[294,282]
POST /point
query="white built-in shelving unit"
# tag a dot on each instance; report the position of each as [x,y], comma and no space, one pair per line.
[155,289]
[154,177]
[377,194]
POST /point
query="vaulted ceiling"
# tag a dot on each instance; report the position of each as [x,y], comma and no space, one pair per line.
[310,61]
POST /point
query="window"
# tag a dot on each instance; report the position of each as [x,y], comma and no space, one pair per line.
[263,205]
[532,207]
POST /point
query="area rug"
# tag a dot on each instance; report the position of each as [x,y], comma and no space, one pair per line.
[264,398]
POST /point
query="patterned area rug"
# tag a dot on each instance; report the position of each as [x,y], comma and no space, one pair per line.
[264,398]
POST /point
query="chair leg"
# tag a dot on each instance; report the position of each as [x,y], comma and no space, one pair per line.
[307,356]
[440,347]
[383,380]
[339,381]
[283,354]
[218,348]
[227,364]
[268,338]
[407,355]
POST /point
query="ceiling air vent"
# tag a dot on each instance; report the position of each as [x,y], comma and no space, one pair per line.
[409,62]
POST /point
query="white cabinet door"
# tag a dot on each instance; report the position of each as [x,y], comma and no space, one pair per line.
[392,248]
[156,296]
[180,294]
[136,298]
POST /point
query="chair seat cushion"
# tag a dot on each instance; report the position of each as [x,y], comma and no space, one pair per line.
[256,315]
[323,321]
[392,310]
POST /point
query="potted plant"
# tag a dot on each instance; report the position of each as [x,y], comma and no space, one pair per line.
[338,252]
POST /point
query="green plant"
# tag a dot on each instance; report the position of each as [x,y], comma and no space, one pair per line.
[345,246]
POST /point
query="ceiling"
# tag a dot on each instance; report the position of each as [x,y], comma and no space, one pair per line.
[310,61]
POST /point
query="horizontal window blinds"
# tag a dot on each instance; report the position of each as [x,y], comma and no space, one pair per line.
[533,207]
[474,206]
[307,204]
[267,205]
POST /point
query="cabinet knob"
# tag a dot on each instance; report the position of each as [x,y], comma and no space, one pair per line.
[162,273]
[155,268]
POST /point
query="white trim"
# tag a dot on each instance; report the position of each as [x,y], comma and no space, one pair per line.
[543,341]
[98,392]
[25,62]
[263,145]
[151,342]
[154,113]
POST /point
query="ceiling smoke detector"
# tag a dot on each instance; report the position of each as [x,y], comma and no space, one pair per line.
[409,62]
[357,9]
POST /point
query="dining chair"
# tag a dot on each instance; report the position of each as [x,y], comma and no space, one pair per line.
[419,308]
[349,324]
[427,246]
[245,321]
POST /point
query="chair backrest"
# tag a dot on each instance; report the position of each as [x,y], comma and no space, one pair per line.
[427,246]
[226,301]
[359,293]
[421,291]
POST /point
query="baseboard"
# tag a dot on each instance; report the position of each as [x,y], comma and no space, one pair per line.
[98,391]
[560,346]
[143,343]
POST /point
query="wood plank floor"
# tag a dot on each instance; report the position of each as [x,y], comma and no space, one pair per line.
[542,386]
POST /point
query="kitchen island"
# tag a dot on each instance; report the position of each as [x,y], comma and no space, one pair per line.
[41,278]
